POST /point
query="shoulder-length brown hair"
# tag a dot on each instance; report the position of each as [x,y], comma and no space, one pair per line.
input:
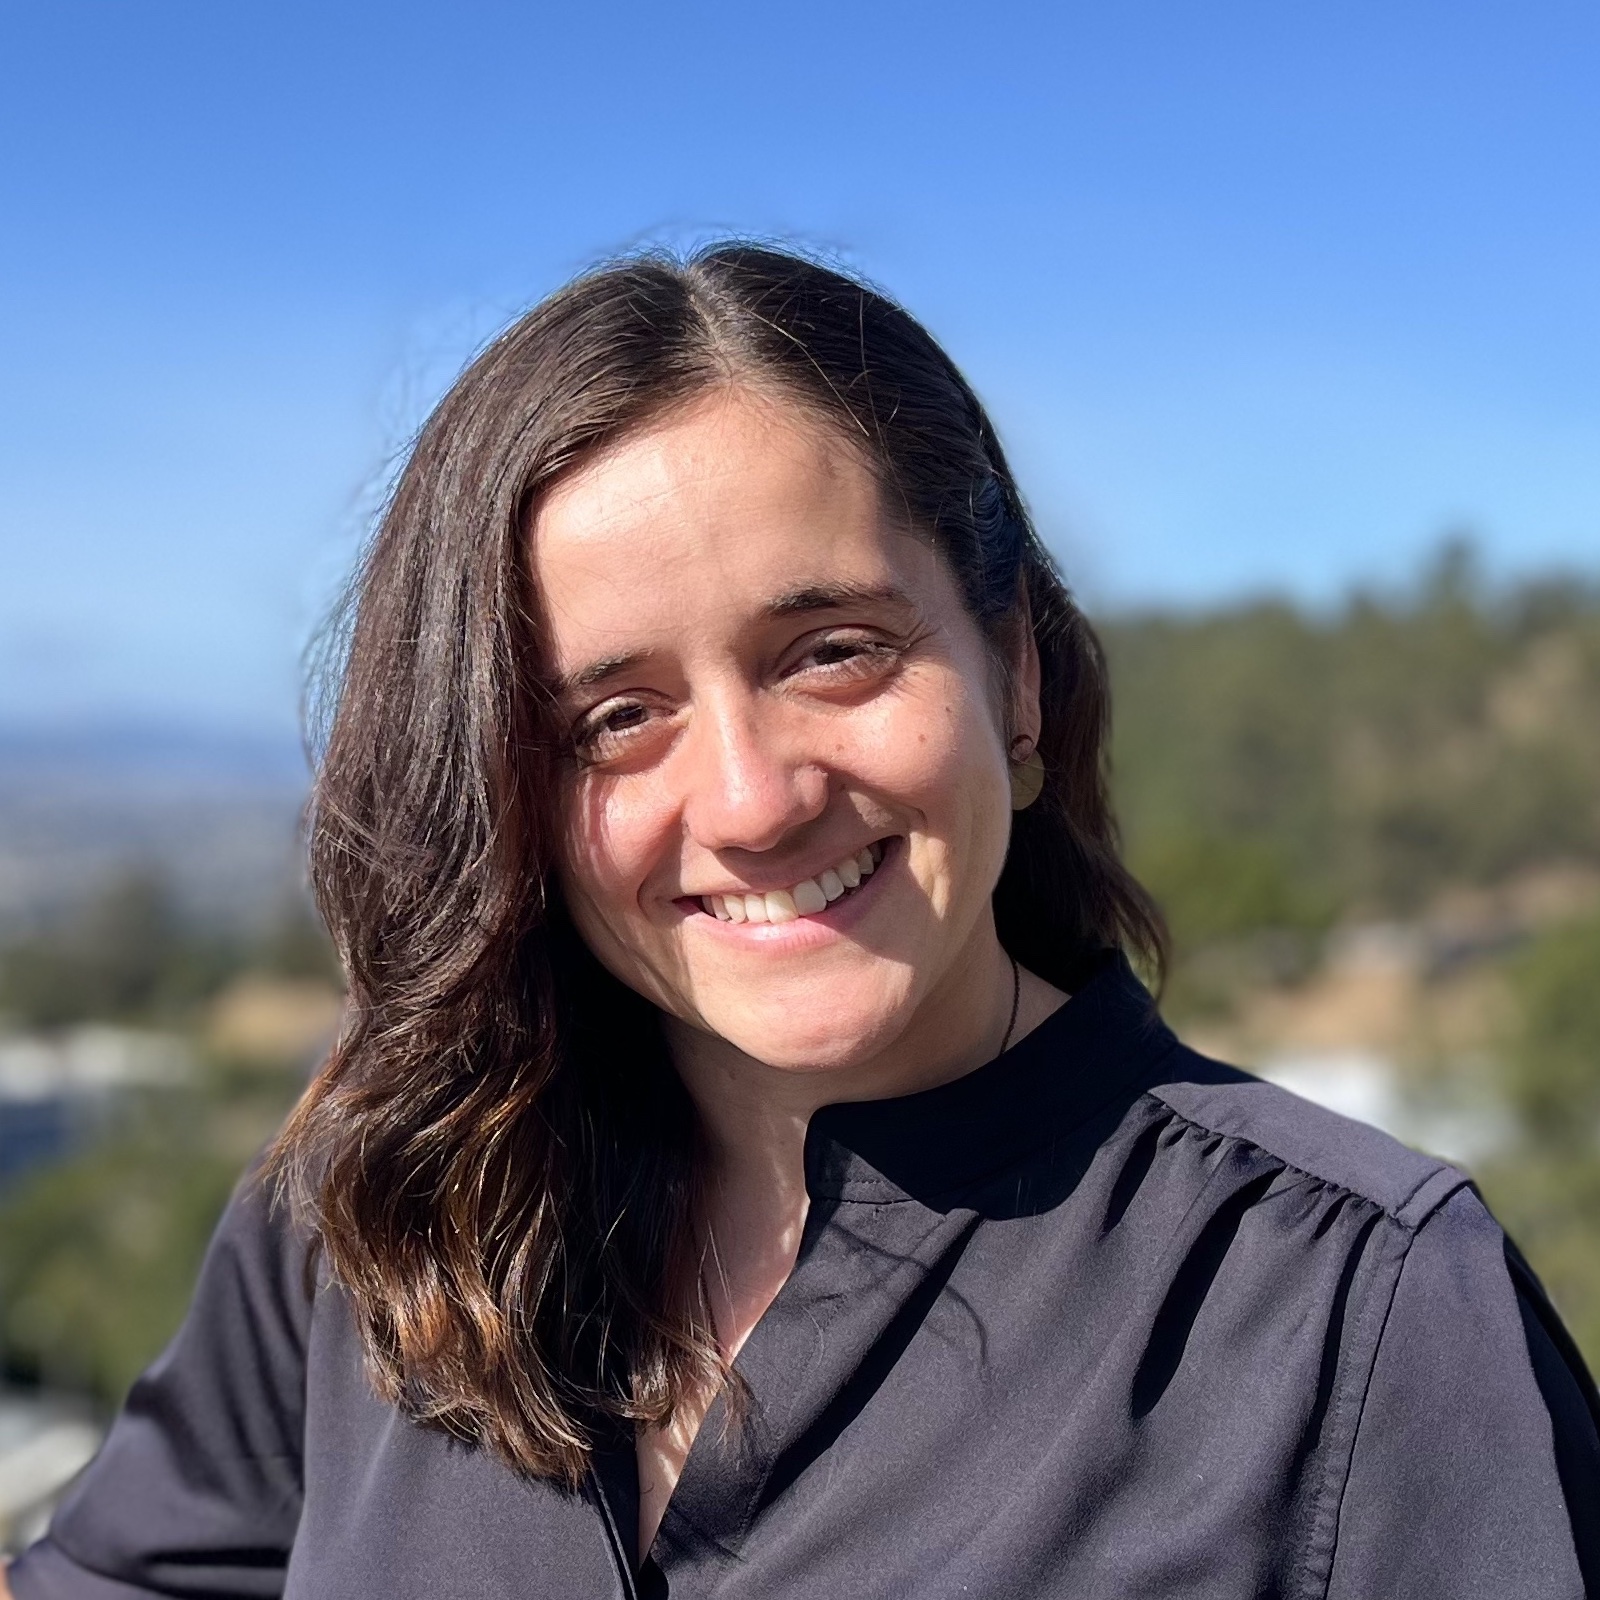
[498,1160]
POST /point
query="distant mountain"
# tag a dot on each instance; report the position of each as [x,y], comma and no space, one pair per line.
[214,810]
[96,755]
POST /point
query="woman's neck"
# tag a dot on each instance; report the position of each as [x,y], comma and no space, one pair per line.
[754,1119]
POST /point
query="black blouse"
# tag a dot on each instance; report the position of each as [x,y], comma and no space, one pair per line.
[1101,1320]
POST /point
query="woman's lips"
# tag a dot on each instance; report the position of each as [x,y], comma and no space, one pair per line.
[806,898]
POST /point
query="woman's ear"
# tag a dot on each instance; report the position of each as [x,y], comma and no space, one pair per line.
[1026,718]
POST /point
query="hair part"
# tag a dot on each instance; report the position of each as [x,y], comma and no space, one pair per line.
[497,1159]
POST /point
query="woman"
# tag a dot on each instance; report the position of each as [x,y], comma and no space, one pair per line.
[716,1190]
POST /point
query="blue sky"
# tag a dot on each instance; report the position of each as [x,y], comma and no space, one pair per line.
[1263,296]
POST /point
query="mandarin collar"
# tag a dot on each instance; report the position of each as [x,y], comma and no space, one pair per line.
[931,1145]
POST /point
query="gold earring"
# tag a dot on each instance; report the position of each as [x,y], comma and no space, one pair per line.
[1027,777]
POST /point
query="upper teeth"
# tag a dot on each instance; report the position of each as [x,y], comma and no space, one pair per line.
[803,899]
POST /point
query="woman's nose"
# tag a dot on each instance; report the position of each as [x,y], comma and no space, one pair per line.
[745,785]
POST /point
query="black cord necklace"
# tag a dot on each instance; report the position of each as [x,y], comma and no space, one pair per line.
[1016,996]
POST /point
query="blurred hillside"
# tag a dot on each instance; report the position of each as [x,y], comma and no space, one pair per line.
[1278,770]
[1376,831]
[146,1054]
[214,812]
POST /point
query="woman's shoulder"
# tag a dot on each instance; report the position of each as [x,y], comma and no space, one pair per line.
[1453,1365]
[1223,1102]
[263,1224]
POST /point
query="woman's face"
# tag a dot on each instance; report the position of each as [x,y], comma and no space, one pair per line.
[790,800]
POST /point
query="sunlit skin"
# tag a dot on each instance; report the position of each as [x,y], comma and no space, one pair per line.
[764,674]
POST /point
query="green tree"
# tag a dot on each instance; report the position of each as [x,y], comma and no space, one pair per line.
[1552,1063]
[128,955]
[1547,1188]
[1277,768]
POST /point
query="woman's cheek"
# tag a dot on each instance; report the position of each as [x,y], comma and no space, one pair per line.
[927,745]
[603,850]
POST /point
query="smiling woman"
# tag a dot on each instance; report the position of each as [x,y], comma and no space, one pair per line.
[751,1165]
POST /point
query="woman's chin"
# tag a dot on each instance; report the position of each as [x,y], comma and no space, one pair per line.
[827,1035]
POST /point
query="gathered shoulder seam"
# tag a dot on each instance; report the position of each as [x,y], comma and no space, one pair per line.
[1414,1208]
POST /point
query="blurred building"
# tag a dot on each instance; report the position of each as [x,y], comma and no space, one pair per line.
[56,1092]
[45,1441]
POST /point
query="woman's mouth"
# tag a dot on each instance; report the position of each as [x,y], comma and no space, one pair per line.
[807,898]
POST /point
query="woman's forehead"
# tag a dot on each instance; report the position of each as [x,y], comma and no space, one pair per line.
[732,454]
[735,506]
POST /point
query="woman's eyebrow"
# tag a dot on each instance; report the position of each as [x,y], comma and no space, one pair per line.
[836,596]
[793,603]
[586,677]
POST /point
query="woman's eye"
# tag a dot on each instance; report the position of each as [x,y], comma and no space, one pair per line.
[849,656]
[602,730]
[838,650]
